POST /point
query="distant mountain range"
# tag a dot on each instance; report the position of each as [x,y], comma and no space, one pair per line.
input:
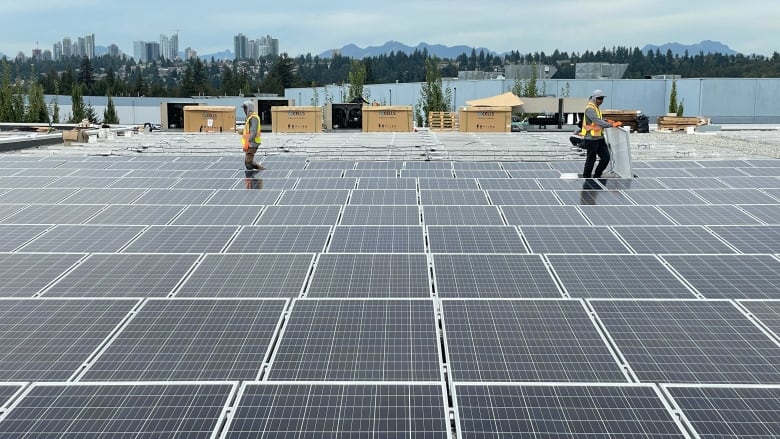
[706,46]
[441,51]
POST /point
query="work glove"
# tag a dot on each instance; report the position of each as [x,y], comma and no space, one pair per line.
[616,124]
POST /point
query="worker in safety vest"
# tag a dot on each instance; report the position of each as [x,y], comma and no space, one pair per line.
[251,138]
[592,133]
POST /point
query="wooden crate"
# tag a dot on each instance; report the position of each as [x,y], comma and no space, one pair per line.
[627,117]
[443,120]
[678,123]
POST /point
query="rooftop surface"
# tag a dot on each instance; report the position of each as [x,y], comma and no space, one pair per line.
[392,285]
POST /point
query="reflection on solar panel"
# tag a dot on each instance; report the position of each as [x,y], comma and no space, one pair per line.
[204,183]
[248,275]
[591,197]
[380,340]
[280,239]
[664,196]
[492,275]
[370,275]
[489,340]
[734,196]
[25,274]
[543,215]
[462,215]
[244,197]
[735,412]
[339,410]
[685,341]
[672,239]
[616,276]
[182,239]
[751,239]
[66,333]
[124,275]
[474,239]
[12,236]
[181,340]
[377,239]
[581,239]
[299,215]
[175,411]
[692,183]
[563,411]
[366,215]
[174,196]
[217,215]
[83,238]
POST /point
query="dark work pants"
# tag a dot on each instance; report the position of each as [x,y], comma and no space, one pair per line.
[595,147]
[249,158]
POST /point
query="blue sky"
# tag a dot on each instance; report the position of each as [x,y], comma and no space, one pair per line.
[316,26]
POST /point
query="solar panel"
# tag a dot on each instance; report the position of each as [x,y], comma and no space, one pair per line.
[182,239]
[25,274]
[327,183]
[630,183]
[476,166]
[446,196]
[279,239]
[657,172]
[7,391]
[474,239]
[525,165]
[217,215]
[248,275]
[735,412]
[130,214]
[766,182]
[672,239]
[751,239]
[299,215]
[398,215]
[387,183]
[145,182]
[83,238]
[462,215]
[568,184]
[480,173]
[124,275]
[714,172]
[689,341]
[198,339]
[766,311]
[65,331]
[768,213]
[174,196]
[12,236]
[192,183]
[563,411]
[161,410]
[523,198]
[616,276]
[593,197]
[508,184]
[579,239]
[492,275]
[543,215]
[316,173]
[729,276]
[526,340]
[692,183]
[534,173]
[377,239]
[467,184]
[103,196]
[243,197]
[339,410]
[720,214]
[735,196]
[253,181]
[380,164]
[330,164]
[313,197]
[371,173]
[763,171]
[84,182]
[384,196]
[370,275]
[664,196]
[426,173]
[379,340]
[625,215]
[54,214]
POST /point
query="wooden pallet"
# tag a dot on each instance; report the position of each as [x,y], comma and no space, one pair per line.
[443,120]
[627,117]
[676,123]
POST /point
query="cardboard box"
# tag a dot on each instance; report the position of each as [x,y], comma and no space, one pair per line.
[304,119]
[209,119]
[485,119]
[377,118]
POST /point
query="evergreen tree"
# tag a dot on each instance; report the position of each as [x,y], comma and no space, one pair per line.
[86,73]
[91,114]
[673,98]
[36,105]
[357,77]
[55,104]
[109,115]
[6,92]
[78,110]
[433,97]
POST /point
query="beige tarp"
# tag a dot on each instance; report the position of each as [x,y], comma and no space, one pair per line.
[507,99]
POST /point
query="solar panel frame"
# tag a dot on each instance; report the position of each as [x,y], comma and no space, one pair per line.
[367,215]
[244,197]
[717,276]
[625,215]
[279,239]
[572,239]
[543,215]
[377,239]
[709,215]
[103,196]
[182,239]
[318,215]
[36,195]
[314,197]
[327,183]
[174,196]
[474,239]
[462,215]
[526,340]
[489,184]
[751,238]
[386,183]
[671,239]
[468,184]
[383,196]
[593,197]
[136,214]
[26,274]
[217,215]
[83,238]
[452,197]
[762,182]
[735,196]
[13,236]
[523,198]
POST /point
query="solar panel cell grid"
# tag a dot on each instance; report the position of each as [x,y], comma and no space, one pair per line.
[370,275]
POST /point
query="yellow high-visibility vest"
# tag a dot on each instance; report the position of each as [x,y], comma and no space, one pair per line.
[245,141]
[591,128]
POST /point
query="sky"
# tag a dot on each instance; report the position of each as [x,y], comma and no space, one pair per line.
[315,26]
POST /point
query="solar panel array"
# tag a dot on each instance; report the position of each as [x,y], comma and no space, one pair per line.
[176,296]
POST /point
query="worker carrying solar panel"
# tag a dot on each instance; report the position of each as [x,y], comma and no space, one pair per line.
[251,139]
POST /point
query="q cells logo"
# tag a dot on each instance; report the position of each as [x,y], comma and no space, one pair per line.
[386,113]
[295,114]
[487,113]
